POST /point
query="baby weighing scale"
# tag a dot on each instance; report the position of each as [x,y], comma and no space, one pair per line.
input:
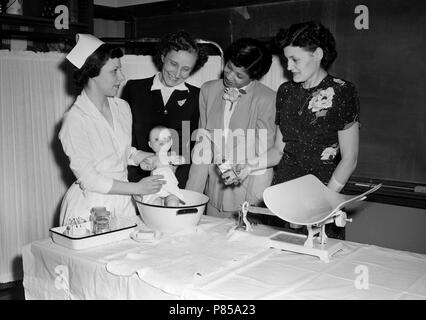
[304,201]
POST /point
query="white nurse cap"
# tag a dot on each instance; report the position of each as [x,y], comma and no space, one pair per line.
[85,46]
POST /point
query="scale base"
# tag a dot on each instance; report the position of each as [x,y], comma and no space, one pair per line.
[295,242]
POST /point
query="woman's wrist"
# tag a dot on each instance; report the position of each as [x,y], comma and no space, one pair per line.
[253,165]
[335,185]
[249,169]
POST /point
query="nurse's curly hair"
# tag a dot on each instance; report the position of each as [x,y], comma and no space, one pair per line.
[94,63]
[178,41]
[250,54]
[309,36]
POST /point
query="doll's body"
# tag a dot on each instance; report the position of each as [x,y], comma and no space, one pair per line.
[163,163]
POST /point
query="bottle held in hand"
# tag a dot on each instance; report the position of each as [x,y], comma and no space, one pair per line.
[227,172]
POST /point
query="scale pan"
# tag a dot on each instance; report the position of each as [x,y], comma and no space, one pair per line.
[304,201]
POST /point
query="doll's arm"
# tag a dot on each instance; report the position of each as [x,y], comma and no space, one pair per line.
[149,163]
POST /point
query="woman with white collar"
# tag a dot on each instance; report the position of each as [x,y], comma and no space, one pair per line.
[96,136]
[165,99]
[237,113]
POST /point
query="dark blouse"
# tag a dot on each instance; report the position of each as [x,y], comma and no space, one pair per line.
[309,120]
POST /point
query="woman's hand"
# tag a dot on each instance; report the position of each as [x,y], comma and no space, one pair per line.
[150,184]
[242,171]
[237,175]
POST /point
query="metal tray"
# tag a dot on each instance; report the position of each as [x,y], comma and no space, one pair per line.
[125,227]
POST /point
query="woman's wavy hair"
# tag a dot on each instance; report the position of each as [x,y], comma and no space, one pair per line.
[309,36]
[250,54]
[178,41]
[94,63]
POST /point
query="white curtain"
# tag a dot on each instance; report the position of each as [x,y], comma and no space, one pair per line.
[34,94]
[32,101]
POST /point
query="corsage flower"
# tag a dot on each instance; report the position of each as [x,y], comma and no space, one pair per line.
[232,94]
[321,101]
[329,153]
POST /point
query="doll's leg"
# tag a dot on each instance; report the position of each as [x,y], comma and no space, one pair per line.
[158,201]
[171,201]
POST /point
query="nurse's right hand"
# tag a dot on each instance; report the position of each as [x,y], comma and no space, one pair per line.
[151,184]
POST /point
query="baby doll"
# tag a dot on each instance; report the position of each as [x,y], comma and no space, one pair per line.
[160,141]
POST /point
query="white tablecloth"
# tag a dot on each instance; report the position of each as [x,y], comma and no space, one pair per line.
[207,263]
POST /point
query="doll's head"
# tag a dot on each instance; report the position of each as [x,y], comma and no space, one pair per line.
[160,139]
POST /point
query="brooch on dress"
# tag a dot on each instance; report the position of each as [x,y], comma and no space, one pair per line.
[181,102]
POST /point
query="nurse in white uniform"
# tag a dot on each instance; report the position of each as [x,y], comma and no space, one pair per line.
[96,136]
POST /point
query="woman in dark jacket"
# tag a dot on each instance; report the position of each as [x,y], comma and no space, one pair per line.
[166,99]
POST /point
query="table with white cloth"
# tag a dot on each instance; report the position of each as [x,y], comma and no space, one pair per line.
[208,262]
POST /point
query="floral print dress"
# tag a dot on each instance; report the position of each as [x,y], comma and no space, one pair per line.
[309,120]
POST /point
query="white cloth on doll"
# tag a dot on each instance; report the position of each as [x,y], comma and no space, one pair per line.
[170,187]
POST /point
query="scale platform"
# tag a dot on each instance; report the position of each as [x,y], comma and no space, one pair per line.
[304,201]
[295,242]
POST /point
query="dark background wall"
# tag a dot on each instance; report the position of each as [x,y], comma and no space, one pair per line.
[387,64]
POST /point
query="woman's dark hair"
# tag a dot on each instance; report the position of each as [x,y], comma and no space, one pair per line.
[309,36]
[250,54]
[94,63]
[177,41]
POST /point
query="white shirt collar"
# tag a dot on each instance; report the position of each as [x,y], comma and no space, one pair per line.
[87,106]
[158,85]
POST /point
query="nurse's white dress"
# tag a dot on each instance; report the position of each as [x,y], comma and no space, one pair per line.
[98,154]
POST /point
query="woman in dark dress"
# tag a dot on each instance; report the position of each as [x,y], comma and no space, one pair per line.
[166,99]
[317,114]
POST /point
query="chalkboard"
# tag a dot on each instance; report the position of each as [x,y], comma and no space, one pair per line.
[387,64]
